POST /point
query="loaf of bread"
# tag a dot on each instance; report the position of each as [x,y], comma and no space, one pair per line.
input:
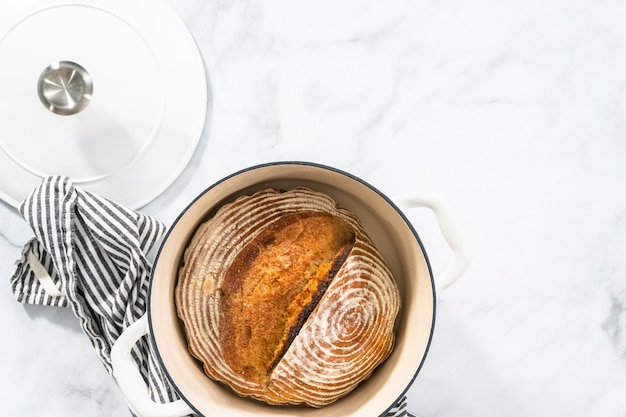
[284,298]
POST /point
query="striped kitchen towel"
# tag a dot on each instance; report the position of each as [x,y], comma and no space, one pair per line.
[90,254]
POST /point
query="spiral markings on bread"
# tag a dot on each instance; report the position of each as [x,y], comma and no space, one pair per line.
[285,339]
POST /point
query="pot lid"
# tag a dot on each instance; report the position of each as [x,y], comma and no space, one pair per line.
[111,93]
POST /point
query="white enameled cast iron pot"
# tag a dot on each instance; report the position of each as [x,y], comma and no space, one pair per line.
[392,233]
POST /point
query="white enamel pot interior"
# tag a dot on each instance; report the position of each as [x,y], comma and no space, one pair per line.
[392,233]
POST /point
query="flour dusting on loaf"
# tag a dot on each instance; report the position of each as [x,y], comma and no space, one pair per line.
[285,298]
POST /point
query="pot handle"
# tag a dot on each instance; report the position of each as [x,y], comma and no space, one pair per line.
[131,382]
[450,227]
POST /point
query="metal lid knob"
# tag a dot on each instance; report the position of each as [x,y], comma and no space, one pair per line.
[65,88]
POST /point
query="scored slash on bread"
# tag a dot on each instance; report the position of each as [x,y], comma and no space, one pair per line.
[284,298]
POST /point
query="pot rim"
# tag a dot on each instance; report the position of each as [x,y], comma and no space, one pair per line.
[151,337]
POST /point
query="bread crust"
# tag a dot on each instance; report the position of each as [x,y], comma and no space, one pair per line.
[284,298]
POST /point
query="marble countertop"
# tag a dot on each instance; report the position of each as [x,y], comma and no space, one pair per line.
[515,112]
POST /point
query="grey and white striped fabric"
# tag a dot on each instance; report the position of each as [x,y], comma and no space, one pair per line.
[90,254]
